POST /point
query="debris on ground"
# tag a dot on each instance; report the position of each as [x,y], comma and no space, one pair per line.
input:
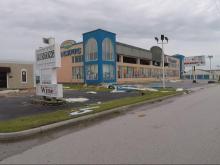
[99,102]
[9,91]
[141,115]
[118,91]
[88,108]
[80,112]
[165,91]
[151,89]
[129,88]
[91,92]
[179,89]
[83,111]
[66,87]
[73,100]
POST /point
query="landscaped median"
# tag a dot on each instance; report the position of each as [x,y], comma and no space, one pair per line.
[87,88]
[29,125]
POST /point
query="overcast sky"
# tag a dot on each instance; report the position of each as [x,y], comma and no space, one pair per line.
[193,26]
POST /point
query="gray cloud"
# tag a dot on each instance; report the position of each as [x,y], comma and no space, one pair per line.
[192,25]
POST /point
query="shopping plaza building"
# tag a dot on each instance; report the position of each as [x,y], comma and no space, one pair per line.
[101,59]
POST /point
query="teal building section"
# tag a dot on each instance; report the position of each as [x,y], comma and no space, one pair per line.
[182,67]
[99,57]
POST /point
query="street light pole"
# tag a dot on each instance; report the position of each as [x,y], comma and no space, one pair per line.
[163,66]
[210,60]
[163,61]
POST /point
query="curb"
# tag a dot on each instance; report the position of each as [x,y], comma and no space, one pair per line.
[43,129]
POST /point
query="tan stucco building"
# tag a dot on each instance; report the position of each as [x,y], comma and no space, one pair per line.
[16,75]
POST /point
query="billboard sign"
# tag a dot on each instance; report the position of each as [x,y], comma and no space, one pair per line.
[194,61]
[50,90]
[48,57]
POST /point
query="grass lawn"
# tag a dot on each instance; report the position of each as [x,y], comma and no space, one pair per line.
[87,88]
[29,122]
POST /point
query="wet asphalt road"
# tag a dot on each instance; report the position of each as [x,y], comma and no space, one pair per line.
[181,130]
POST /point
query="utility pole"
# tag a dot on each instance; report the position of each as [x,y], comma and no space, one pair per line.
[162,43]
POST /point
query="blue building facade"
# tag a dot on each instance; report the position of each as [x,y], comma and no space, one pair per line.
[182,68]
[99,57]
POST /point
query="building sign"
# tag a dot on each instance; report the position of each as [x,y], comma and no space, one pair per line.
[194,61]
[68,48]
[48,57]
[67,44]
[50,90]
[71,52]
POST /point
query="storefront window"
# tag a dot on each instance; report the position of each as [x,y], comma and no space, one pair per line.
[107,50]
[77,73]
[136,72]
[154,73]
[92,72]
[108,72]
[91,50]
[144,73]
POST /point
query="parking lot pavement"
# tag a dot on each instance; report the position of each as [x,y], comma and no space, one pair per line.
[20,106]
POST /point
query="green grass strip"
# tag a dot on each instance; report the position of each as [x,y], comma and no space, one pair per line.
[34,121]
[87,88]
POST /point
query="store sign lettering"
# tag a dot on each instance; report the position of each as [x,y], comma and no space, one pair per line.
[47,90]
[46,55]
[50,90]
[71,52]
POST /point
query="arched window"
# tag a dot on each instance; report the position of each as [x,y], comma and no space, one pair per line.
[107,50]
[24,76]
[91,50]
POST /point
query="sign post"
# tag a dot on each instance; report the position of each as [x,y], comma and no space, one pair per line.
[48,59]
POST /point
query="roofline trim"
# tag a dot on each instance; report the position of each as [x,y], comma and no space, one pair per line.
[99,30]
[15,62]
[120,43]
